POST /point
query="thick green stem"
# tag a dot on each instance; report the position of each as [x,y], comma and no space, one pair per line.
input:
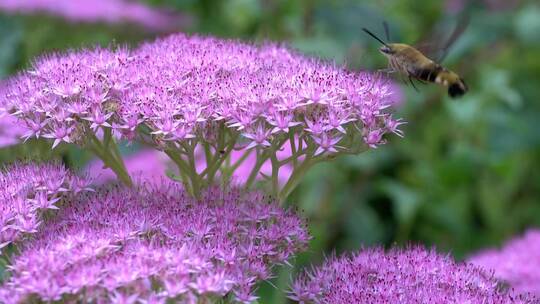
[221,156]
[207,153]
[182,169]
[107,137]
[108,152]
[210,165]
[296,177]
[275,174]
[261,158]
[293,148]
[192,169]
[185,159]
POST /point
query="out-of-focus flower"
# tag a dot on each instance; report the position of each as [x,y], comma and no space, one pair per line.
[517,263]
[153,242]
[109,11]
[411,275]
[146,164]
[182,93]
[11,131]
[26,191]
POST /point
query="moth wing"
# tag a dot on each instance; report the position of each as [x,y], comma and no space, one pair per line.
[435,47]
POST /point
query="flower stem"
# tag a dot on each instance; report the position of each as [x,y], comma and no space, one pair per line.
[183,169]
[293,148]
[192,169]
[296,177]
[220,158]
[275,174]
[108,152]
[261,158]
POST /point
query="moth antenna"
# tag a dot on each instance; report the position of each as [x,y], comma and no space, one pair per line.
[375,37]
[386,30]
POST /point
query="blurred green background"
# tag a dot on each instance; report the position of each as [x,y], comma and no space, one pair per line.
[467,173]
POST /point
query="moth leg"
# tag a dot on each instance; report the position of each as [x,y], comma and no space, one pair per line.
[387,70]
[413,85]
[402,78]
[420,80]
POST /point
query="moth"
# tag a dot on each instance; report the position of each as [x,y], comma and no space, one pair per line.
[413,64]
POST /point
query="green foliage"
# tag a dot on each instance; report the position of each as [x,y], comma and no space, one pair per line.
[465,176]
[10,40]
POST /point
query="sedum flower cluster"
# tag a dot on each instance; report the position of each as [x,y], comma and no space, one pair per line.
[516,263]
[152,243]
[109,11]
[28,192]
[412,275]
[190,96]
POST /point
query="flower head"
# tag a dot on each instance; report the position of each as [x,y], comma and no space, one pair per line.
[411,275]
[181,85]
[153,243]
[183,94]
[516,263]
[28,190]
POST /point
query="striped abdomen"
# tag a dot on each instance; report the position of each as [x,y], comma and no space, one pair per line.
[436,73]
[427,74]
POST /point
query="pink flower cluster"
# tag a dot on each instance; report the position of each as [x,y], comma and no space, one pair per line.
[27,192]
[151,243]
[181,88]
[517,263]
[110,11]
[411,275]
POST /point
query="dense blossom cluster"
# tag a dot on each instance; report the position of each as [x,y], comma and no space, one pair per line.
[151,243]
[182,94]
[517,263]
[411,275]
[180,86]
[110,11]
[27,191]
